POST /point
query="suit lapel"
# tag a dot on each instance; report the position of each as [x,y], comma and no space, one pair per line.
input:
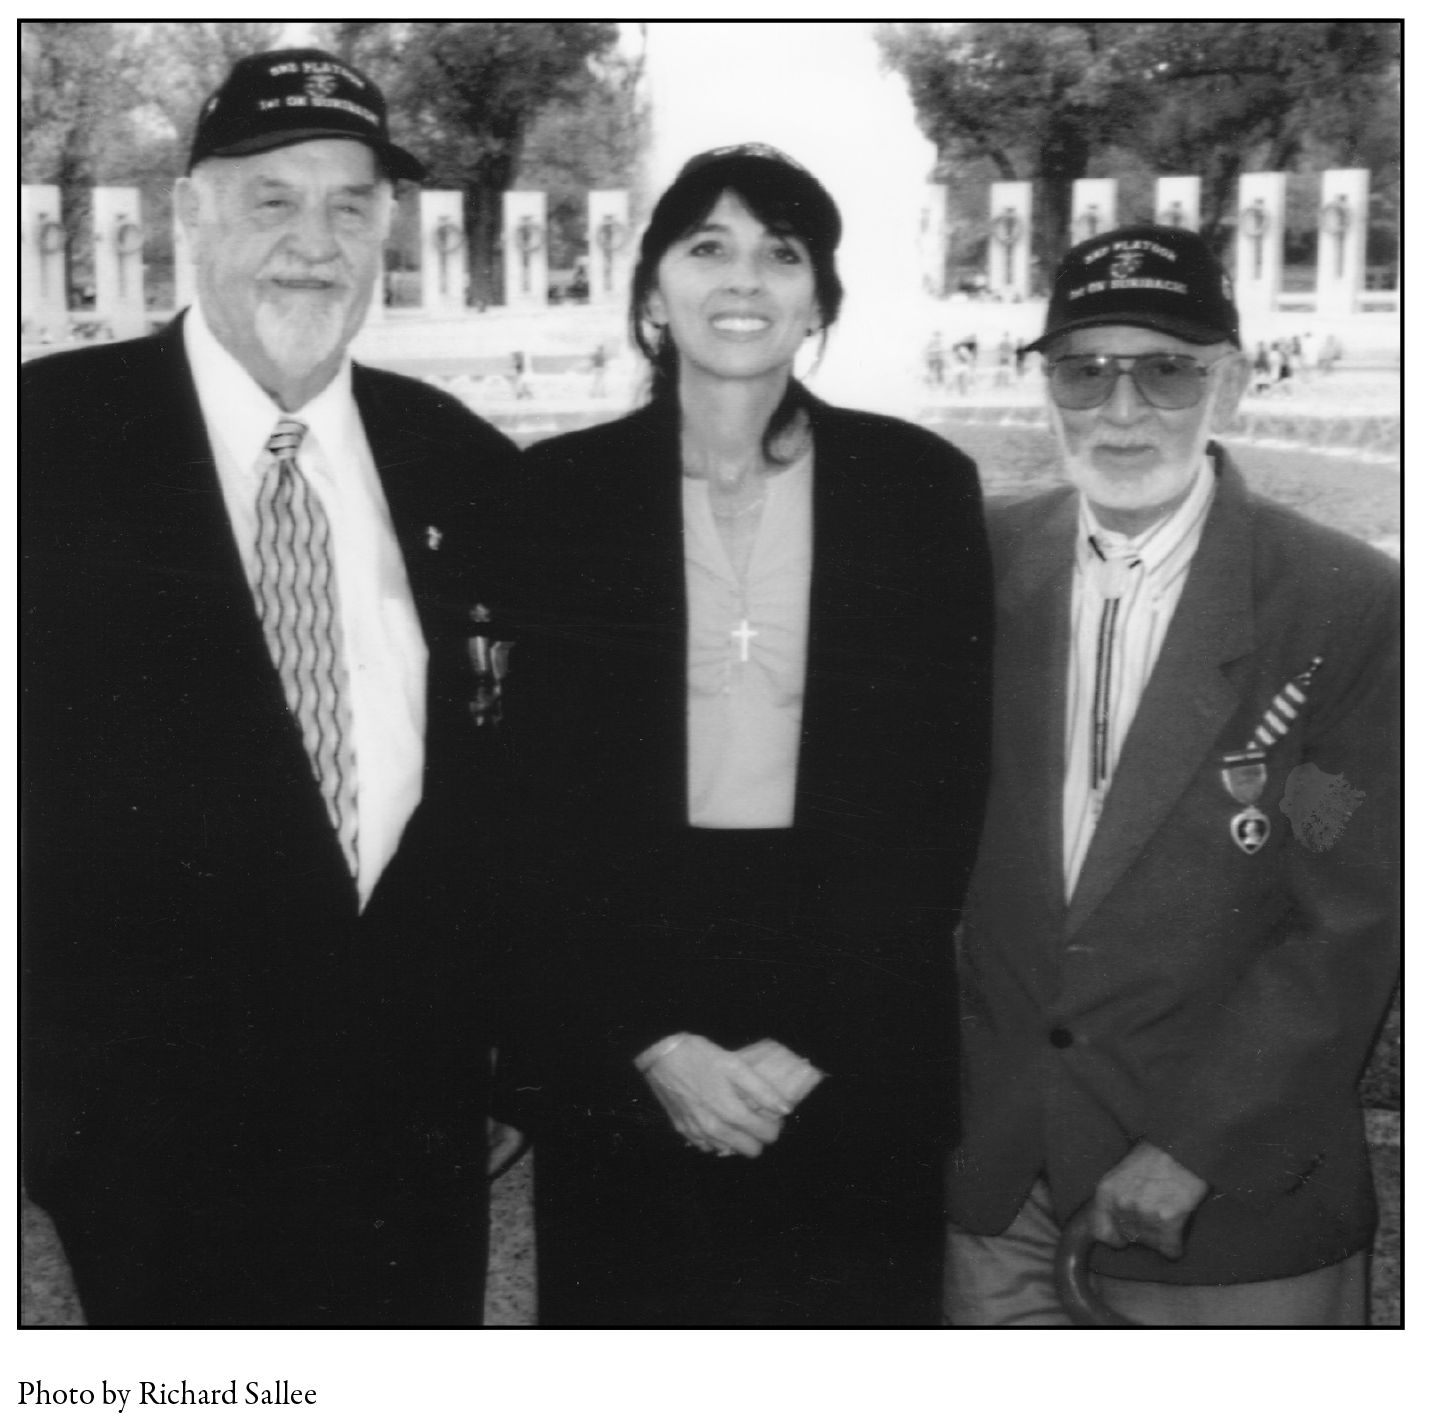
[396,450]
[203,602]
[829,523]
[657,528]
[187,524]
[1186,704]
[1032,656]
[632,511]
[840,548]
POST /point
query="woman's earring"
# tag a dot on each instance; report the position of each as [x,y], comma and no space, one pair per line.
[816,358]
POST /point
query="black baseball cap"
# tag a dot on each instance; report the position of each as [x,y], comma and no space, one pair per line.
[291,96]
[1158,278]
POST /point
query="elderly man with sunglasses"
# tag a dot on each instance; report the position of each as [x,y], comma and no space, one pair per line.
[1179,941]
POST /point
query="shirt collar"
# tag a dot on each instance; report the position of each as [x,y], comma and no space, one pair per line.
[1161,549]
[242,413]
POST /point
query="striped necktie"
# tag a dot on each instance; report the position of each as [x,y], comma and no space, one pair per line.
[296,593]
[1114,571]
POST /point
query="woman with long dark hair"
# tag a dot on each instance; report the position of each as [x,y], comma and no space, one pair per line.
[753,691]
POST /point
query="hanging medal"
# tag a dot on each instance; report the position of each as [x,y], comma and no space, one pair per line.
[1245,771]
[1245,776]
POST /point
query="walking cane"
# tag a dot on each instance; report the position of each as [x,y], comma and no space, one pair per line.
[1071,1275]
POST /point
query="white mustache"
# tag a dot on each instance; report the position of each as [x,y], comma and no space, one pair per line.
[334,276]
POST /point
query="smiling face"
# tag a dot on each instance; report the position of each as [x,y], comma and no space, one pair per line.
[287,245]
[1135,463]
[737,298]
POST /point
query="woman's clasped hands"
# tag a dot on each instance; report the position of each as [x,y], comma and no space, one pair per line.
[727,1101]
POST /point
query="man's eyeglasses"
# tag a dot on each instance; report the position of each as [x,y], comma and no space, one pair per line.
[1167,381]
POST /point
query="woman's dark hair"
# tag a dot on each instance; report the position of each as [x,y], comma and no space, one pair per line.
[780,194]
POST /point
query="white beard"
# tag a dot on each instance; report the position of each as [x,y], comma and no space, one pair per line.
[300,335]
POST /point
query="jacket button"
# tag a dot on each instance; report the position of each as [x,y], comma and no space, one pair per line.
[1060,1038]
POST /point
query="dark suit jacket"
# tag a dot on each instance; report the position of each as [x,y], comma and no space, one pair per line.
[891,772]
[243,1103]
[1217,1004]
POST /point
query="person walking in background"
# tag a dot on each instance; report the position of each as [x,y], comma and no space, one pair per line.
[599,372]
[521,368]
[1180,939]
[1004,362]
[935,361]
[965,353]
[262,826]
[1262,369]
[755,700]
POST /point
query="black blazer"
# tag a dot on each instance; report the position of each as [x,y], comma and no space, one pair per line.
[891,775]
[208,1021]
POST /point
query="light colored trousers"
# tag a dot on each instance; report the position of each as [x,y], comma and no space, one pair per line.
[1008,1280]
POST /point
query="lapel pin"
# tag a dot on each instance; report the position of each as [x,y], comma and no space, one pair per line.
[434,538]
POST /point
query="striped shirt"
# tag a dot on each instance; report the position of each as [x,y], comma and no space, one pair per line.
[1125,592]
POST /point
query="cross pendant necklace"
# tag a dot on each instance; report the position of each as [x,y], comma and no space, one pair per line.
[745,633]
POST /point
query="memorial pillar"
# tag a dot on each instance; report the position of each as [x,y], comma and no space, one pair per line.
[1094,208]
[608,236]
[1259,265]
[1010,207]
[442,248]
[1342,241]
[1176,202]
[44,301]
[524,248]
[119,261]
[933,227]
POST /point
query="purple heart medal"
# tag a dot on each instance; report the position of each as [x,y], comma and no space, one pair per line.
[1245,776]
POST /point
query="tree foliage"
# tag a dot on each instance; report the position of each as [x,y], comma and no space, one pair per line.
[114,104]
[464,95]
[76,84]
[106,102]
[595,141]
[1045,100]
[188,60]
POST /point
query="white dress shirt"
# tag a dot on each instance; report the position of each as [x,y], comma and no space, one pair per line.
[1125,592]
[383,644]
[746,657]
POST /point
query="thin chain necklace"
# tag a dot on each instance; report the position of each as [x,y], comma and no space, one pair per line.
[731,515]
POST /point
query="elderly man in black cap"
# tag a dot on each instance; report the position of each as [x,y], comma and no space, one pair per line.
[262,794]
[1179,939]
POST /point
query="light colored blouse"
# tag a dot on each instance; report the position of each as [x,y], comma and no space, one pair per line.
[746,657]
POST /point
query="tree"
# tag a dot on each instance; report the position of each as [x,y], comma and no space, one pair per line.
[192,58]
[464,96]
[594,141]
[1041,100]
[76,85]
[1264,95]
[108,103]
[1034,99]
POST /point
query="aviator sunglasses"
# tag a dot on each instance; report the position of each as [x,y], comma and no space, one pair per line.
[1166,381]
